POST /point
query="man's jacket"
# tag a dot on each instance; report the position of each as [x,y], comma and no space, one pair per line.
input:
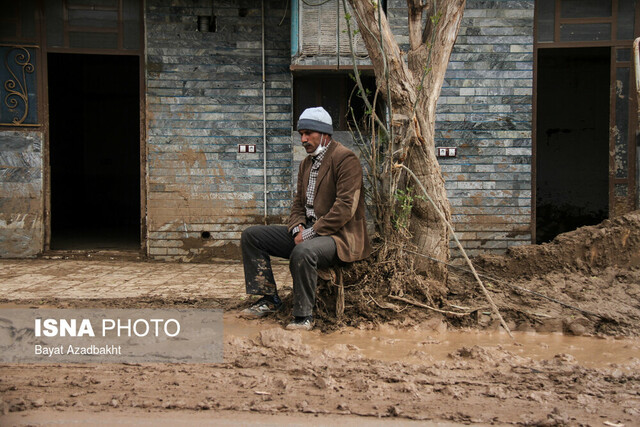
[338,202]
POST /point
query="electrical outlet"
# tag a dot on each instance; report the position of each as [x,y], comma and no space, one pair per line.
[246,148]
[447,151]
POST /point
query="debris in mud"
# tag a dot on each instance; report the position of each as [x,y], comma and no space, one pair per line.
[283,340]
[584,282]
[269,380]
[614,243]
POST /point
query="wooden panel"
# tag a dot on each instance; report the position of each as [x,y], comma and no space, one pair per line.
[585,8]
[626,19]
[96,26]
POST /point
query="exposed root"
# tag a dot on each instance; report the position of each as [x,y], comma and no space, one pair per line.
[598,298]
[418,304]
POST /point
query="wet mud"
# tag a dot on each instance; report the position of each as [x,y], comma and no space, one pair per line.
[425,373]
[585,282]
[573,304]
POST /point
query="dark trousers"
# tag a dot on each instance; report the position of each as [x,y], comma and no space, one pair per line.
[260,242]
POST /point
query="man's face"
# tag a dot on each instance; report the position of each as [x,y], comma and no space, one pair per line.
[311,139]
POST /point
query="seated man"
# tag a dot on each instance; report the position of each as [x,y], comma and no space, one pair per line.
[326,226]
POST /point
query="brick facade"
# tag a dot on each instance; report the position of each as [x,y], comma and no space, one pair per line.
[204,97]
[485,110]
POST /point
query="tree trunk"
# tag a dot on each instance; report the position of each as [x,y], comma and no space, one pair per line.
[413,84]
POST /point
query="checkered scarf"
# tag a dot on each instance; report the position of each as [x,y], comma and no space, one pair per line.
[311,189]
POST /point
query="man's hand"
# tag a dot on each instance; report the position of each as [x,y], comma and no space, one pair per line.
[298,238]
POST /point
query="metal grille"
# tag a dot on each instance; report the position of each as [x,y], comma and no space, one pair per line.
[18,93]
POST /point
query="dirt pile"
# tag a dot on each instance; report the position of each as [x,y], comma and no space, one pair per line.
[614,243]
[583,282]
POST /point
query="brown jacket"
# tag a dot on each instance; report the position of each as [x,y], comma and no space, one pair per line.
[338,202]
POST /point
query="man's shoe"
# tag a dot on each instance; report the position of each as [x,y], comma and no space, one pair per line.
[262,307]
[301,324]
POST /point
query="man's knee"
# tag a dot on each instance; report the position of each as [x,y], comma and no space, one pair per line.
[249,235]
[302,254]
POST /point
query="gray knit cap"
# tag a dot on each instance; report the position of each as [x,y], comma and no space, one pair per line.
[316,119]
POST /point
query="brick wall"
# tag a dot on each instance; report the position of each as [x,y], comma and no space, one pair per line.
[485,109]
[21,198]
[397,16]
[204,97]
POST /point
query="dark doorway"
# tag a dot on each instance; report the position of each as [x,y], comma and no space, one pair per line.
[94,122]
[572,139]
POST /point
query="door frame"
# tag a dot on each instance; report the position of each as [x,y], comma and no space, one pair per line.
[44,91]
[617,205]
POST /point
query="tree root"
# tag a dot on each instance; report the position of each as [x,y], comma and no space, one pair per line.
[419,304]
[464,253]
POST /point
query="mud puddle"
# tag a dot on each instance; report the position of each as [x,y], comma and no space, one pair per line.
[426,347]
[434,343]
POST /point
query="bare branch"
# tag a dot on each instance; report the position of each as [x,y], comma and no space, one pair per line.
[415,16]
[419,304]
[378,38]
[356,73]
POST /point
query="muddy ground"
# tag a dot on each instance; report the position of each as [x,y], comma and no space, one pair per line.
[275,372]
[584,283]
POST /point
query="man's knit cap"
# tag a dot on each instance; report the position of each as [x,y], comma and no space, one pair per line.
[316,119]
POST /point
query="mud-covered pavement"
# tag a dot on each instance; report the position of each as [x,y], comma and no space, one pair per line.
[581,367]
[271,371]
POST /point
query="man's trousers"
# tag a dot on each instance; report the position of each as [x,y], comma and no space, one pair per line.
[260,242]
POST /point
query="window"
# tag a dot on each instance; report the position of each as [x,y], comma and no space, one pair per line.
[93,24]
[18,64]
[323,30]
[17,21]
[333,91]
[585,20]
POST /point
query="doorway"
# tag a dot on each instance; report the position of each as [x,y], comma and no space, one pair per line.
[94,116]
[572,139]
